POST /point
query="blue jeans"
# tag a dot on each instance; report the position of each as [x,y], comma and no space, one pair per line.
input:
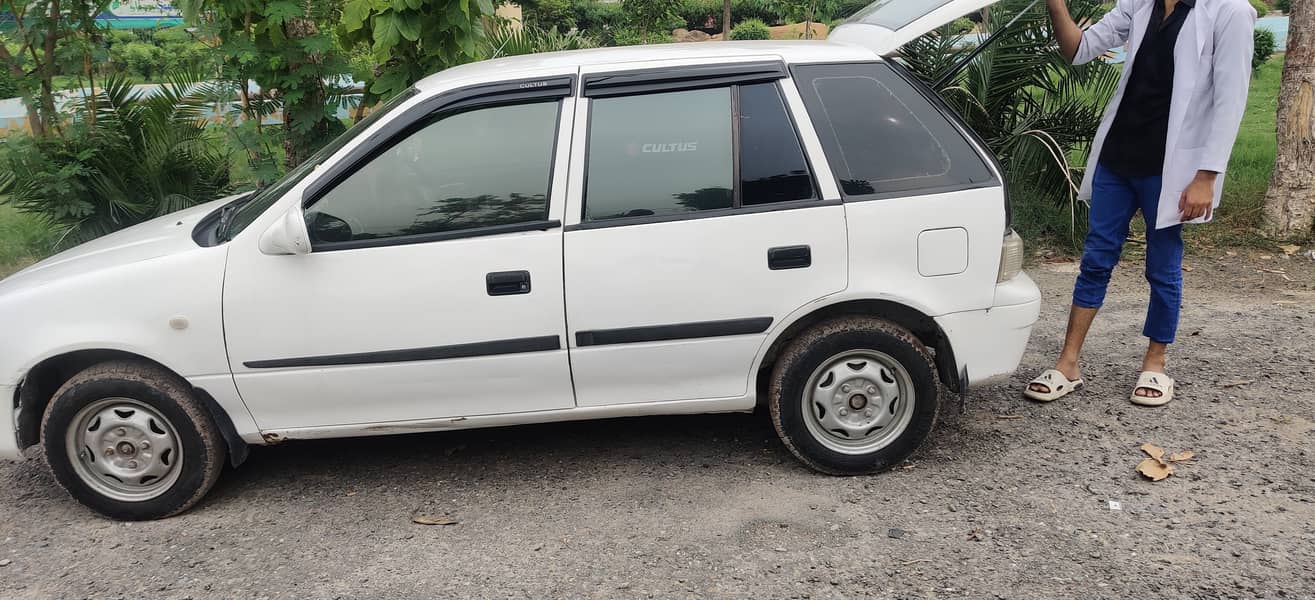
[1115,199]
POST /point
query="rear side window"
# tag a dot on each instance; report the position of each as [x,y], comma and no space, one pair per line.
[881,136]
[674,153]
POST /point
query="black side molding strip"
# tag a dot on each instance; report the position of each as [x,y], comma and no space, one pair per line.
[679,331]
[513,346]
[668,79]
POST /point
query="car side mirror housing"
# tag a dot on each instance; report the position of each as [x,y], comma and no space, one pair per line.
[288,235]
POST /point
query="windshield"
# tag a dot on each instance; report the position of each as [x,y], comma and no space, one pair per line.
[263,198]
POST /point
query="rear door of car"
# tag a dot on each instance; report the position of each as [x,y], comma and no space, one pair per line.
[885,25]
[694,224]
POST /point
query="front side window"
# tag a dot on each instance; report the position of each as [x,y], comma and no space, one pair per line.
[882,136]
[480,168]
[674,153]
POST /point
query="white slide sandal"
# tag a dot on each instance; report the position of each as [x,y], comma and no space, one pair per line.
[1153,381]
[1058,384]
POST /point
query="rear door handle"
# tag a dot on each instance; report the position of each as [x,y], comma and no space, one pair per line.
[789,257]
[508,283]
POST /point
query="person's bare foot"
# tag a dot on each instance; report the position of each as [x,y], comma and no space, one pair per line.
[1070,369]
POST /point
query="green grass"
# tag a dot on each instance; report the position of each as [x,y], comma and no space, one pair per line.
[24,239]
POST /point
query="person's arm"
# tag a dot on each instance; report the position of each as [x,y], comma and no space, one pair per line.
[1234,46]
[1081,47]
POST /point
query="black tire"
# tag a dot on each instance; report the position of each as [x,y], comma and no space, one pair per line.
[807,353]
[203,451]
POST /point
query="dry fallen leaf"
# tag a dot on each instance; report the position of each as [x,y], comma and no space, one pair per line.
[1182,456]
[1289,249]
[422,520]
[1231,253]
[1152,450]
[1266,257]
[1154,469]
[1187,268]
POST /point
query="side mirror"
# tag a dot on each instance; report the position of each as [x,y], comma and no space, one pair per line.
[288,235]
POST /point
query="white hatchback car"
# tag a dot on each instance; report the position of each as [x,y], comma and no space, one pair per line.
[688,228]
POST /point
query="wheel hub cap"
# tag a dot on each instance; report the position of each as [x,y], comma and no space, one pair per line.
[140,456]
[858,402]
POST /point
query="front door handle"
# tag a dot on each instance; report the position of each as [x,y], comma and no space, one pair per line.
[789,257]
[508,283]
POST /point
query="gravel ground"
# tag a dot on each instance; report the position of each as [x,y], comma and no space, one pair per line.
[1007,500]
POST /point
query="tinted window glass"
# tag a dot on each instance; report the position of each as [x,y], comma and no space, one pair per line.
[772,165]
[659,154]
[473,169]
[881,136]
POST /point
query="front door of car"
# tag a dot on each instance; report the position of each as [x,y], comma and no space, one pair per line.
[434,285]
[696,225]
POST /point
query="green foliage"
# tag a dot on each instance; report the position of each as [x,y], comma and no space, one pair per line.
[24,238]
[752,29]
[962,25]
[597,18]
[8,85]
[626,36]
[288,48]
[847,8]
[1264,44]
[143,157]
[139,58]
[651,16]
[1262,9]
[1036,112]
[410,39]
[1283,5]
[549,14]
[505,40]
[706,14]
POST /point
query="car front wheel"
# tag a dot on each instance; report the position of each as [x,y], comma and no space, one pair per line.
[854,395]
[131,442]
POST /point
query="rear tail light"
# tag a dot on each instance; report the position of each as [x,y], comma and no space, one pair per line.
[1011,257]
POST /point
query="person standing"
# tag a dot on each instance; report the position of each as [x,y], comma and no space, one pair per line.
[1162,148]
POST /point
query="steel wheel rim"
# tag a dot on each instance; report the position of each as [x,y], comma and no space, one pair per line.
[858,401]
[124,449]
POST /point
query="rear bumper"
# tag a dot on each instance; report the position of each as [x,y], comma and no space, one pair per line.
[8,435]
[989,344]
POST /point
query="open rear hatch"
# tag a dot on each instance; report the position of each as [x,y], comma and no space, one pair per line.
[885,25]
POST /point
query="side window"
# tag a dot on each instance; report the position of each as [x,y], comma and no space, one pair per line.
[479,168]
[882,136]
[672,153]
[659,154]
[772,165]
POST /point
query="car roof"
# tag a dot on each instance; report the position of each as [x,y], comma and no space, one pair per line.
[499,69]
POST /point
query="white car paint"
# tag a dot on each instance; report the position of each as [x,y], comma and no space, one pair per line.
[129,291]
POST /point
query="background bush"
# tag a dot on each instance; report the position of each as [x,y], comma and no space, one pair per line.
[1264,47]
[1283,5]
[752,29]
[1262,9]
[549,14]
[706,14]
[597,17]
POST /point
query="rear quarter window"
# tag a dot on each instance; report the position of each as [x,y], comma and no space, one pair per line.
[882,137]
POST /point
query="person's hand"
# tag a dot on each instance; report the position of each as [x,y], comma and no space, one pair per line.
[1198,200]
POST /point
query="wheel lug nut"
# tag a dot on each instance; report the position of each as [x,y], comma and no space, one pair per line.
[867,413]
[844,388]
[109,452]
[132,464]
[145,445]
[872,389]
[843,412]
[120,432]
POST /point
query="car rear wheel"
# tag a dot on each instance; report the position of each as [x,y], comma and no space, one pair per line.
[854,395]
[130,441]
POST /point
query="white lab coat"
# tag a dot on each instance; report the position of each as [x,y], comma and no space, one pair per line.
[1212,74]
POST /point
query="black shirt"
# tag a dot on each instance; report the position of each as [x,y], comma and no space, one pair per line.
[1136,142]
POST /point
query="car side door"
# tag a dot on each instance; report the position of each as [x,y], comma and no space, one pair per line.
[695,224]
[433,287]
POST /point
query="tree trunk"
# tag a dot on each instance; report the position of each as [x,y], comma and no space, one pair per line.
[1290,203]
[47,70]
[725,20]
[14,64]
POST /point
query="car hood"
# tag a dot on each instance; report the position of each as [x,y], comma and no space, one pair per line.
[158,237]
